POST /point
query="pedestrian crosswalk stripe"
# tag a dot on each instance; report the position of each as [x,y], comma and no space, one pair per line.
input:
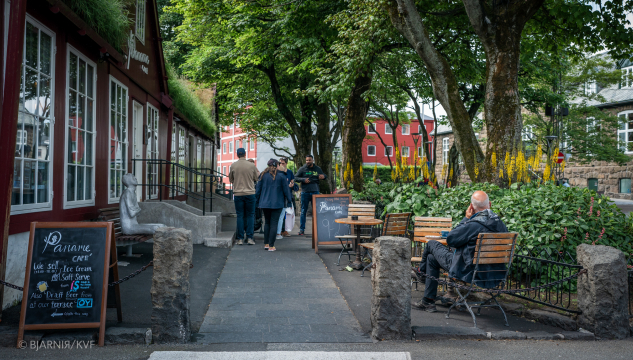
[279,355]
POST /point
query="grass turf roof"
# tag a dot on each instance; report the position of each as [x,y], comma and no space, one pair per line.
[109,18]
[188,103]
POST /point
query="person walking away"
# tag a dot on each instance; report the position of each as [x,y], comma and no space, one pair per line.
[309,176]
[243,176]
[283,167]
[272,194]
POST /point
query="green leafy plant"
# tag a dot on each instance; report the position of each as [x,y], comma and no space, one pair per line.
[188,103]
[109,18]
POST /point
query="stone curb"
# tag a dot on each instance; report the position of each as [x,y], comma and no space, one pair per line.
[471,333]
[128,336]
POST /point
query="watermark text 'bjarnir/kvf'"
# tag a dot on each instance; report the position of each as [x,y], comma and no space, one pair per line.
[59,344]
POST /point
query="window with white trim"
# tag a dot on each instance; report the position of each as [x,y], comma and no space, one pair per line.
[627,77]
[388,150]
[219,169]
[231,147]
[32,171]
[371,150]
[388,129]
[182,158]
[371,129]
[140,20]
[419,129]
[405,151]
[591,87]
[445,149]
[252,144]
[152,152]
[420,152]
[80,134]
[223,148]
[527,134]
[625,131]
[118,138]
[224,170]
[405,129]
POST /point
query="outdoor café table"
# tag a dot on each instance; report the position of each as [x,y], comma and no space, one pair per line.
[357,264]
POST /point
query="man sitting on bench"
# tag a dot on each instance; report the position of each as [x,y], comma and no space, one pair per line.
[462,239]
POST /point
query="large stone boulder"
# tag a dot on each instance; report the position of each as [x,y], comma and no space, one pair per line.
[391,286]
[603,295]
[173,251]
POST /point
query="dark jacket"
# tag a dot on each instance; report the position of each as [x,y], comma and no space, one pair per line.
[463,238]
[290,176]
[272,194]
[311,173]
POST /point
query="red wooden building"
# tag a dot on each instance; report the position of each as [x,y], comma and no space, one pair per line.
[375,152]
[76,111]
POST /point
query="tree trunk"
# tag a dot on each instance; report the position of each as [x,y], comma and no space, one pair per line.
[354,129]
[406,19]
[323,155]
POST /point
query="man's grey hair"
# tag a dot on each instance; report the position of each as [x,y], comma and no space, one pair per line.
[480,205]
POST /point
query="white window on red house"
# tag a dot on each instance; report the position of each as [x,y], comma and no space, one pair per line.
[219,169]
[231,147]
[405,151]
[118,138]
[405,129]
[388,129]
[223,148]
[389,151]
[32,180]
[152,151]
[252,144]
[419,129]
[420,155]
[371,150]
[80,149]
[371,128]
[224,170]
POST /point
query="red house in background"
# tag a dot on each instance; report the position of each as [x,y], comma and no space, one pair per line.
[374,152]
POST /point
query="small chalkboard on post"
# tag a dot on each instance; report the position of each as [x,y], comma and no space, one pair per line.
[325,209]
[66,280]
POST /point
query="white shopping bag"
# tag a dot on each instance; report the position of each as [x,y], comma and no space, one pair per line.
[290,219]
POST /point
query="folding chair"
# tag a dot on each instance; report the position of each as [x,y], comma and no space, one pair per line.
[396,224]
[363,211]
[492,251]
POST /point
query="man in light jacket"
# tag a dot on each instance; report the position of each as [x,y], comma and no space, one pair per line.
[243,176]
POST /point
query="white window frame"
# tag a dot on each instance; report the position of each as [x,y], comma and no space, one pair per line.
[390,152]
[80,203]
[445,149]
[37,207]
[627,77]
[223,170]
[219,169]
[527,133]
[420,154]
[112,79]
[224,147]
[591,87]
[405,149]
[140,20]
[624,129]
[371,146]
[152,192]
[388,127]
[370,127]
[230,147]
[407,127]
[252,144]
[419,129]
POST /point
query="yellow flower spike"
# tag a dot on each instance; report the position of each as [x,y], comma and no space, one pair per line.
[493,159]
[351,174]
[361,171]
[500,173]
[337,169]
[375,171]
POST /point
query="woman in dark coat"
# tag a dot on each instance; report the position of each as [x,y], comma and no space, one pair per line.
[272,193]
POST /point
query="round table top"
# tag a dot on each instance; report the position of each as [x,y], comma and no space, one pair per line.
[358,222]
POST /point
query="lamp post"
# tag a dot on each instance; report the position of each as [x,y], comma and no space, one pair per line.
[416,138]
[549,139]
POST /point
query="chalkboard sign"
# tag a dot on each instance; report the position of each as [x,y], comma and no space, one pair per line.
[325,209]
[66,280]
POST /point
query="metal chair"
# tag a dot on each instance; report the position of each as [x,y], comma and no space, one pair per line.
[493,254]
[396,224]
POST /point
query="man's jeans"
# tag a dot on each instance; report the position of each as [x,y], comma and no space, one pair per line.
[306,198]
[435,257]
[245,210]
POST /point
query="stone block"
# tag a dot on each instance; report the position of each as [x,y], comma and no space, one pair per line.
[603,295]
[552,319]
[391,289]
[581,334]
[543,335]
[221,240]
[448,332]
[178,215]
[173,251]
[125,336]
[507,335]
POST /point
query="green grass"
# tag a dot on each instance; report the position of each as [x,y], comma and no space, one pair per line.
[109,18]
[188,103]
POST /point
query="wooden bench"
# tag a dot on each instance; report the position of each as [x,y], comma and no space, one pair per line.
[363,211]
[427,226]
[113,215]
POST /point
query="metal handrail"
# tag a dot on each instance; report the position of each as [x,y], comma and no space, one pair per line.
[192,178]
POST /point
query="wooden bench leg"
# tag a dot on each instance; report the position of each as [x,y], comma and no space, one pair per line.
[129,251]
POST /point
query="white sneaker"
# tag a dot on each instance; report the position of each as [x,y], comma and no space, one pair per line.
[240,242]
[279,237]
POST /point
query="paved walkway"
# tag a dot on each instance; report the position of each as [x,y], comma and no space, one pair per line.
[286,296]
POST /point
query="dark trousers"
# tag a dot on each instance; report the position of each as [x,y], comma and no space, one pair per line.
[435,257]
[306,199]
[245,211]
[271,217]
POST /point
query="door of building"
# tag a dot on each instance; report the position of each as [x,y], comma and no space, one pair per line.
[138,146]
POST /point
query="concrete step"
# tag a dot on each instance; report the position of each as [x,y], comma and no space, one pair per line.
[221,240]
